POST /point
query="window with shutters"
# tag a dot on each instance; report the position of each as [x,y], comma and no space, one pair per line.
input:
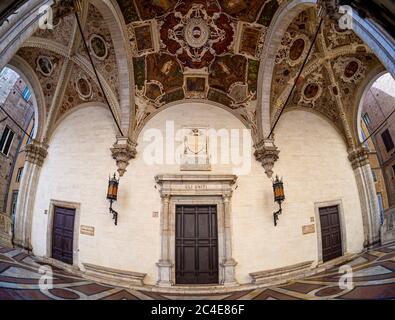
[387,140]
[6,140]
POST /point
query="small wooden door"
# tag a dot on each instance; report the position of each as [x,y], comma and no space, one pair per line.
[196,244]
[330,233]
[63,234]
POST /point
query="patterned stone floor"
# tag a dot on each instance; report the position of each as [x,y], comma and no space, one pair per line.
[373,278]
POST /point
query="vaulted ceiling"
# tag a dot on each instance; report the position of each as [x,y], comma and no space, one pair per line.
[212,50]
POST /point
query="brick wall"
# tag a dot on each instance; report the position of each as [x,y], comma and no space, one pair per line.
[378,106]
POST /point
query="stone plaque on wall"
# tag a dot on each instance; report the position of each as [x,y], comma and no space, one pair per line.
[87,230]
[310,228]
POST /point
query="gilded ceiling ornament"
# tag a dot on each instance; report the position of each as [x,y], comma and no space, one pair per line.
[196,36]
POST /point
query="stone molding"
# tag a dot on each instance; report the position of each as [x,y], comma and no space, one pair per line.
[266,152]
[197,190]
[122,152]
[110,275]
[278,274]
[36,152]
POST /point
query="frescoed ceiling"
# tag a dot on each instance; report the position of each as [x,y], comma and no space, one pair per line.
[337,64]
[197,49]
[201,49]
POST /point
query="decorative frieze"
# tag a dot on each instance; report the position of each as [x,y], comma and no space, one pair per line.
[267,152]
[123,151]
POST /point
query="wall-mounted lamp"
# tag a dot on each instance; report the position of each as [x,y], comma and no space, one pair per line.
[278,189]
[112,193]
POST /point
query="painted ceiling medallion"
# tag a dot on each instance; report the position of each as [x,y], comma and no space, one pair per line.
[350,70]
[312,89]
[45,65]
[98,46]
[196,34]
[83,87]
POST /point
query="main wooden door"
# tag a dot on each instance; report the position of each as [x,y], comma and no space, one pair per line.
[330,233]
[63,234]
[196,244]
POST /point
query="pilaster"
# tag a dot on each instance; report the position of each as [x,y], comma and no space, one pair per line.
[35,153]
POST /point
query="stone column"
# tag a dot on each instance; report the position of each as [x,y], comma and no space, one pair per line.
[228,264]
[35,154]
[359,159]
[164,264]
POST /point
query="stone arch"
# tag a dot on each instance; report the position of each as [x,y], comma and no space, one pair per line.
[140,128]
[281,20]
[113,17]
[28,75]
[378,41]
[20,27]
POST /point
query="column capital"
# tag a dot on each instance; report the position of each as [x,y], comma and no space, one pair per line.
[358,156]
[36,152]
[123,151]
[267,153]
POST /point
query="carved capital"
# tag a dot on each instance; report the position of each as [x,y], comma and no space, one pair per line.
[36,152]
[266,153]
[358,156]
[122,152]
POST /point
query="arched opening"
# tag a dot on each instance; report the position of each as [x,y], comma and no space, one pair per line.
[18,126]
[376,124]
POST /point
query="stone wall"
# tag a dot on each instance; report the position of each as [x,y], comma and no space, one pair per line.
[313,162]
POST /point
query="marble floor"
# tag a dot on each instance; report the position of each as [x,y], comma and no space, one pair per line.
[373,278]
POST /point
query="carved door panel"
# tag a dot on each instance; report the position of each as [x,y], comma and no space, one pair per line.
[63,234]
[330,233]
[196,244]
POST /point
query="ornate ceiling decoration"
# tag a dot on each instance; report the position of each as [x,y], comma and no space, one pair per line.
[197,49]
[338,63]
[201,49]
[196,33]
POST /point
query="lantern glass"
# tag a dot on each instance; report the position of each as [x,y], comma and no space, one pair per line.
[112,190]
[278,189]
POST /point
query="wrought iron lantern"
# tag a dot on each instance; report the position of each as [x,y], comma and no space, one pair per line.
[112,193]
[278,190]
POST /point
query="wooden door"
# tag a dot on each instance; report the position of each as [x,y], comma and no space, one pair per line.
[63,234]
[330,233]
[196,244]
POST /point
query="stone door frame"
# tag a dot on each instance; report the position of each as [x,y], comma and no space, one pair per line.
[195,190]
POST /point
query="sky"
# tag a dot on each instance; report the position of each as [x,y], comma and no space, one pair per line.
[386,83]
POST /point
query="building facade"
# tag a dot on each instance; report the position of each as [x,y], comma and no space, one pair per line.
[378,107]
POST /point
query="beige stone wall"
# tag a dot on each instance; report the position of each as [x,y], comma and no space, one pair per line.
[313,162]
